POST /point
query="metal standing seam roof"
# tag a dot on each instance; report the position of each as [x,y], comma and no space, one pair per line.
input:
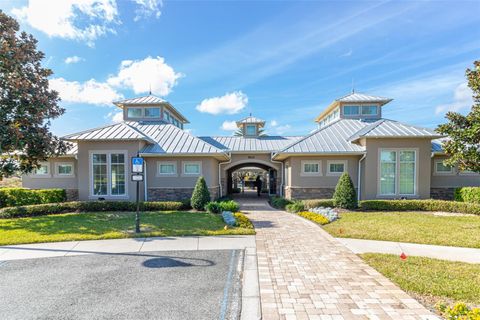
[117,131]
[389,128]
[360,97]
[150,99]
[242,144]
[329,139]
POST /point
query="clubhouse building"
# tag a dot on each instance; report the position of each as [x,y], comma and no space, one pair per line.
[386,159]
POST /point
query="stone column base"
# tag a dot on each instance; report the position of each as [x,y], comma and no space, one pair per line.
[442,193]
[72,194]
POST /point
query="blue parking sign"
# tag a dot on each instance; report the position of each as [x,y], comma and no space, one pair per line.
[137,165]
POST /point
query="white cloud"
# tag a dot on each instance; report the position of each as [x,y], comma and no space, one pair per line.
[141,75]
[147,8]
[73,59]
[90,92]
[282,129]
[115,116]
[229,126]
[347,54]
[230,103]
[462,99]
[83,20]
[273,123]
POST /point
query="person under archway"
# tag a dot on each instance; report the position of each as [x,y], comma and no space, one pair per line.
[258,184]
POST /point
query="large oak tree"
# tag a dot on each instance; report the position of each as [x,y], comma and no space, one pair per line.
[26,103]
[463,143]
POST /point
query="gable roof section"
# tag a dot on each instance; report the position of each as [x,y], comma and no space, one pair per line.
[331,139]
[118,131]
[242,144]
[385,128]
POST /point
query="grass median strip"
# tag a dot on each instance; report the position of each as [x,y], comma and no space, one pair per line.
[430,280]
[112,225]
[413,227]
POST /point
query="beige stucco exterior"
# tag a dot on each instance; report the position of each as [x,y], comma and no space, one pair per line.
[52,179]
[453,179]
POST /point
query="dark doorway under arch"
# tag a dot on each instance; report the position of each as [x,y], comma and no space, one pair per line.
[272,175]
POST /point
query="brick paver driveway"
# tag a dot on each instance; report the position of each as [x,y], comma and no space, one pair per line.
[304,273]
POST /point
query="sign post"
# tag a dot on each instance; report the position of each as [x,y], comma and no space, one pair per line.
[137,175]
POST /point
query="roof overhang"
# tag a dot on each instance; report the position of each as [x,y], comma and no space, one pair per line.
[285,155]
[356,139]
[219,156]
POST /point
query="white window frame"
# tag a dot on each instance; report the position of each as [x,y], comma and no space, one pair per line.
[109,174]
[184,163]
[174,174]
[62,175]
[345,167]
[442,173]
[311,174]
[397,173]
[43,175]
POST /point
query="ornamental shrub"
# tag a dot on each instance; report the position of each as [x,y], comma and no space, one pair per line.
[420,205]
[468,194]
[345,195]
[229,205]
[295,206]
[200,195]
[87,206]
[213,207]
[279,202]
[11,197]
[317,203]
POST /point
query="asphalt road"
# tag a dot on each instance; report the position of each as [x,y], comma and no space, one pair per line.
[155,285]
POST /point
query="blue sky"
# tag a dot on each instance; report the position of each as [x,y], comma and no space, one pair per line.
[284,61]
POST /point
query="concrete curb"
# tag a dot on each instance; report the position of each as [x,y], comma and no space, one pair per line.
[251,305]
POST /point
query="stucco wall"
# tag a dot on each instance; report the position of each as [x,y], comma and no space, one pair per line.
[455,179]
[52,180]
[84,175]
[371,168]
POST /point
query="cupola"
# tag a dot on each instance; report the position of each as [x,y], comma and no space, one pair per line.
[353,106]
[250,126]
[150,108]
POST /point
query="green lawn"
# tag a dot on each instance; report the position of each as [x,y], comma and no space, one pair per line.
[111,225]
[430,280]
[416,227]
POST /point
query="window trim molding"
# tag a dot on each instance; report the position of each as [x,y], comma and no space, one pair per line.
[442,173]
[311,174]
[59,175]
[336,174]
[148,117]
[109,174]
[397,172]
[46,175]
[184,174]
[159,174]
[140,108]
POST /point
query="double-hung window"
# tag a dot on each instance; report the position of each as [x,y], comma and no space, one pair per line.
[108,176]
[398,172]
[311,168]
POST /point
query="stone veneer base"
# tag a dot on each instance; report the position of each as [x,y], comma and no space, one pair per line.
[442,193]
[309,193]
[72,194]
[176,194]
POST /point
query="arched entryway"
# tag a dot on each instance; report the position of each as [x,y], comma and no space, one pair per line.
[269,174]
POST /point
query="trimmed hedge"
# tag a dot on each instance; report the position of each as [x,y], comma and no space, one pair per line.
[87,206]
[468,194]
[12,197]
[279,202]
[316,203]
[420,205]
[295,206]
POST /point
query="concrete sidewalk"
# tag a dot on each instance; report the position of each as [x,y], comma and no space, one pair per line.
[71,248]
[469,255]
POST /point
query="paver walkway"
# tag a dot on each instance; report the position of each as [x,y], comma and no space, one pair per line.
[469,255]
[304,273]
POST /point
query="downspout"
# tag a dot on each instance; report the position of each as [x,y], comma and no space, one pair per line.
[281,174]
[359,179]
[220,172]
